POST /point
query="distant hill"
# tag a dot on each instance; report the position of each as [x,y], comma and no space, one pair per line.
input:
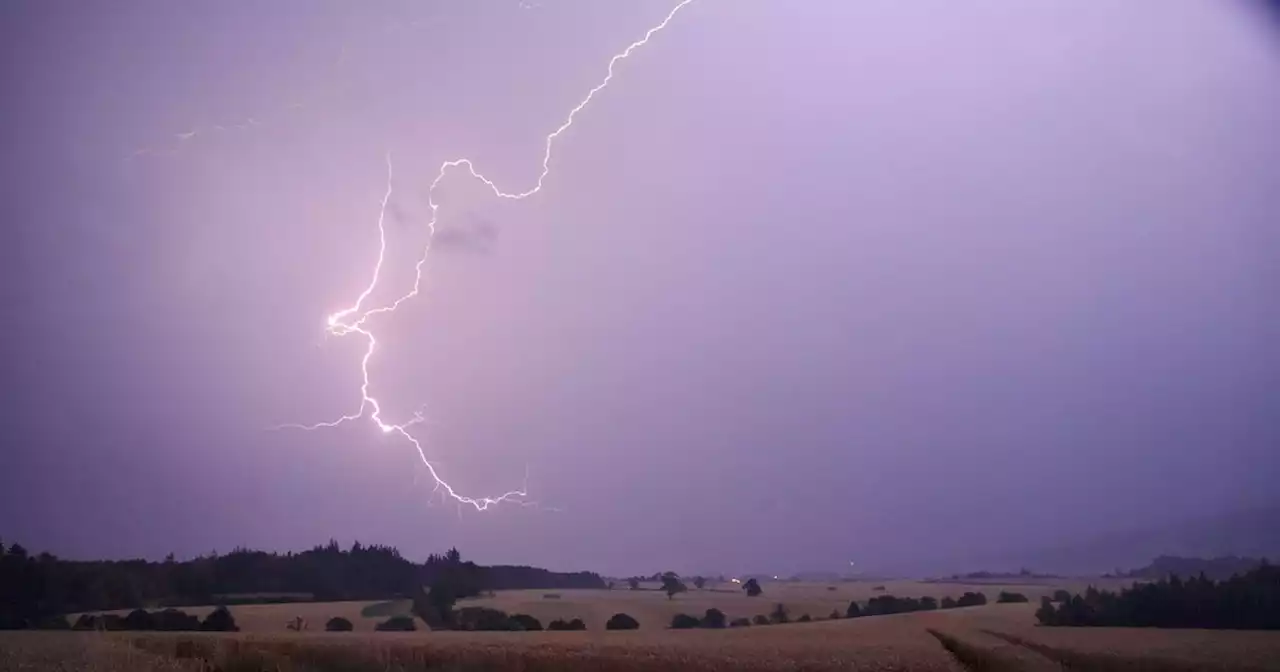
[1250,533]
[1218,569]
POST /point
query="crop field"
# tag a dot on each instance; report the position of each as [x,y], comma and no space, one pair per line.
[1001,637]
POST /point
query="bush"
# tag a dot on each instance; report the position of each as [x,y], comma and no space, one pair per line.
[804,618]
[971,600]
[219,620]
[551,596]
[575,624]
[878,588]
[853,611]
[139,619]
[338,624]
[622,622]
[684,622]
[397,624]
[172,620]
[714,618]
[949,602]
[1061,595]
[831,587]
[834,615]
[740,623]
[483,619]
[780,614]
[760,619]
[527,622]
[1006,597]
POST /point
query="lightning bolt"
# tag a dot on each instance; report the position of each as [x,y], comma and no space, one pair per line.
[355,318]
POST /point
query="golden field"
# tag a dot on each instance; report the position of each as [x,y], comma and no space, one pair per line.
[994,637]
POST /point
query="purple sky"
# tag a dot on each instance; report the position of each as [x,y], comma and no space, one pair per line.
[809,282]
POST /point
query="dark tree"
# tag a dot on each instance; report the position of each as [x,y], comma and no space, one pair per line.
[752,587]
[804,618]
[1248,602]
[949,602]
[684,622]
[714,618]
[1007,597]
[622,622]
[1061,595]
[853,611]
[671,584]
[970,599]
[633,583]
[699,582]
[527,622]
[338,624]
[834,615]
[760,619]
[740,623]
[219,620]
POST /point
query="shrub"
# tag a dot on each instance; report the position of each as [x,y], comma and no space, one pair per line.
[338,624]
[397,624]
[551,596]
[575,624]
[928,604]
[834,615]
[760,619]
[1006,597]
[780,614]
[752,587]
[831,587]
[714,618]
[139,619]
[853,611]
[527,622]
[804,618]
[949,602]
[684,622]
[740,623]
[1061,595]
[622,622]
[482,619]
[878,588]
[971,600]
[172,620]
[219,620]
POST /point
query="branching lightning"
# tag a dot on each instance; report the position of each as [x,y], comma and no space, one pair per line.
[355,318]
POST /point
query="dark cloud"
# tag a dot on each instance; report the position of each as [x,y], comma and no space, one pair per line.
[472,233]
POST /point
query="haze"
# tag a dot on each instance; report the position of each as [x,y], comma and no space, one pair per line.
[901,283]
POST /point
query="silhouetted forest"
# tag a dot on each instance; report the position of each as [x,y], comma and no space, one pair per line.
[34,588]
[1248,602]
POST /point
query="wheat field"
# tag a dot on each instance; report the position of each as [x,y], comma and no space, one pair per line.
[999,637]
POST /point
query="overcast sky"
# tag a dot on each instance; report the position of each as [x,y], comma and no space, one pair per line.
[810,282]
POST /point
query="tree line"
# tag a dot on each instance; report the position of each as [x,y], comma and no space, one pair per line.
[1250,601]
[37,587]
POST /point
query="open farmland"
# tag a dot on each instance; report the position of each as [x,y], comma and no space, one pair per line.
[993,637]
[649,605]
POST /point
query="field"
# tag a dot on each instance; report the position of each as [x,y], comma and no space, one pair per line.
[994,637]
